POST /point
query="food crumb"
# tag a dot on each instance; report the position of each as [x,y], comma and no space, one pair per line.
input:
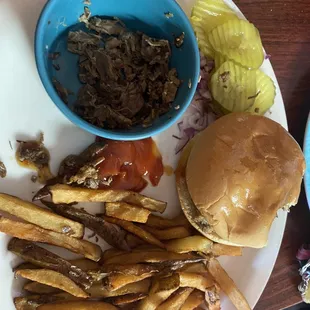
[190,83]
[53,56]
[177,107]
[225,76]
[178,41]
[2,170]
[97,239]
[87,2]
[34,178]
[49,22]
[169,15]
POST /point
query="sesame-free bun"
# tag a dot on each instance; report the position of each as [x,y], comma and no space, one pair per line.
[235,175]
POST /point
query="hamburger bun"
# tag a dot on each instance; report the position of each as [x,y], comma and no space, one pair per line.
[234,176]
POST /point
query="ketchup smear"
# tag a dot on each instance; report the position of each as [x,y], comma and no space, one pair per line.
[128,162]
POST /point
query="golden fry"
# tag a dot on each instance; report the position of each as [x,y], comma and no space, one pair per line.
[162,223]
[54,279]
[136,230]
[116,281]
[195,268]
[127,212]
[160,291]
[78,305]
[85,264]
[195,280]
[133,241]
[193,300]
[40,216]
[68,194]
[212,298]
[111,253]
[126,299]
[227,285]
[98,291]
[168,233]
[189,244]
[25,266]
[222,249]
[175,301]
[32,302]
[147,257]
[39,288]
[37,234]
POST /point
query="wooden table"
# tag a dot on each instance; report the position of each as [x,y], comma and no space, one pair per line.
[285,30]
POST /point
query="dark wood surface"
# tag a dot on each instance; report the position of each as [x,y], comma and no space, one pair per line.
[285,30]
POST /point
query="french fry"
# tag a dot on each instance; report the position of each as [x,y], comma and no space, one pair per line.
[133,241]
[195,280]
[116,281]
[227,285]
[54,279]
[193,301]
[43,258]
[175,301]
[32,302]
[147,248]
[85,264]
[168,233]
[37,234]
[219,249]
[189,244]
[136,230]
[127,212]
[41,217]
[39,288]
[126,299]
[162,223]
[68,194]
[99,291]
[212,298]
[195,268]
[111,253]
[25,266]
[78,305]
[148,257]
[161,290]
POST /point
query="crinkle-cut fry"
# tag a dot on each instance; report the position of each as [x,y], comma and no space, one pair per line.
[193,301]
[37,234]
[116,281]
[99,291]
[168,233]
[136,230]
[126,299]
[161,290]
[127,212]
[195,280]
[32,302]
[147,257]
[78,305]
[68,194]
[175,301]
[39,216]
[219,249]
[54,279]
[227,285]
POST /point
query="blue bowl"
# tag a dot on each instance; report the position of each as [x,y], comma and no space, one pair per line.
[61,16]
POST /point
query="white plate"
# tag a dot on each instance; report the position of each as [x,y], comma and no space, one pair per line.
[26,110]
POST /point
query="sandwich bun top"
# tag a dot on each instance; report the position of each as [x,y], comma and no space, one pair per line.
[236,175]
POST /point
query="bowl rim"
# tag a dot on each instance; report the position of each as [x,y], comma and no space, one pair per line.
[77,120]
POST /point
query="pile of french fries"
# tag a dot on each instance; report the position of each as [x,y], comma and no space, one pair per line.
[156,263]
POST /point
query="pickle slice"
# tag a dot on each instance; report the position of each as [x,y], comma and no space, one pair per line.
[240,41]
[212,13]
[266,93]
[203,44]
[233,87]
[219,59]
